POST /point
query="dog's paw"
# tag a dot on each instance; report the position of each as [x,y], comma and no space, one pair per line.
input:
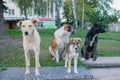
[94,59]
[76,72]
[82,59]
[27,72]
[69,71]
[53,58]
[37,73]
[65,66]
[63,58]
[39,65]
[57,60]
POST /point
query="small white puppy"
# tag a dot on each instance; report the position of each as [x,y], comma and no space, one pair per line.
[72,52]
[31,40]
[60,40]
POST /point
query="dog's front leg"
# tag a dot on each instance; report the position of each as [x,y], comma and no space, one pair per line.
[66,60]
[69,65]
[37,64]
[27,61]
[57,56]
[94,53]
[75,65]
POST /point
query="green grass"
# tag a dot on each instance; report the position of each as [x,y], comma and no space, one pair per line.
[13,55]
[2,67]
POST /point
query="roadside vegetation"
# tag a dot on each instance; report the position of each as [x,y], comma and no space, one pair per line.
[12,54]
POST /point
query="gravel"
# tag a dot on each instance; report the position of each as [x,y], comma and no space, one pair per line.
[46,73]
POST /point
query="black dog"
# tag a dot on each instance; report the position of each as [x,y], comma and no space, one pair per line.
[90,45]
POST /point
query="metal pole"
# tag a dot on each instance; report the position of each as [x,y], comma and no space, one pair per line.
[74,14]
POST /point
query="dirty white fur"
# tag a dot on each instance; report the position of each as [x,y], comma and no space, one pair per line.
[31,40]
[72,54]
[62,38]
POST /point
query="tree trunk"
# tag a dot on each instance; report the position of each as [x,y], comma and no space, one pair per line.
[82,15]
[3,33]
[58,21]
[74,14]
[25,13]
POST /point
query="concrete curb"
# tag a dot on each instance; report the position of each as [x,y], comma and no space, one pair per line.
[105,73]
[102,62]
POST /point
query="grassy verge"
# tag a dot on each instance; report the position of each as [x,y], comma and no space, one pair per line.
[13,55]
[2,67]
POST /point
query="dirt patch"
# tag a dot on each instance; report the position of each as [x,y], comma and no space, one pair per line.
[9,47]
[13,41]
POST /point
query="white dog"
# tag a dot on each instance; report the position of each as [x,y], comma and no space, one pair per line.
[72,52]
[31,40]
[60,40]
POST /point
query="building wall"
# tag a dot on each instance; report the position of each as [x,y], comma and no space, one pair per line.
[12,6]
[14,15]
[46,24]
[10,24]
[114,27]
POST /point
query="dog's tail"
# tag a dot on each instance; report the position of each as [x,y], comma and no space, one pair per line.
[51,52]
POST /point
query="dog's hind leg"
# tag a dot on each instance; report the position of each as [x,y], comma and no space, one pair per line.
[85,53]
[65,49]
[94,53]
[82,54]
[52,53]
[38,60]
[57,56]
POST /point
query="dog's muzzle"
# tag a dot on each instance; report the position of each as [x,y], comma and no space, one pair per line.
[26,33]
[76,49]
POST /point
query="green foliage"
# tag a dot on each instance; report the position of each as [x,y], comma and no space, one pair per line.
[67,14]
[43,7]
[36,7]
[24,6]
[95,11]
[2,67]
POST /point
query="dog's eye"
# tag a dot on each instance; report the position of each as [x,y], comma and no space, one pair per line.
[23,25]
[30,25]
[73,43]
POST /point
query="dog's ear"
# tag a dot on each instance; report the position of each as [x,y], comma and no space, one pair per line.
[71,40]
[95,25]
[67,27]
[19,23]
[79,40]
[35,22]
